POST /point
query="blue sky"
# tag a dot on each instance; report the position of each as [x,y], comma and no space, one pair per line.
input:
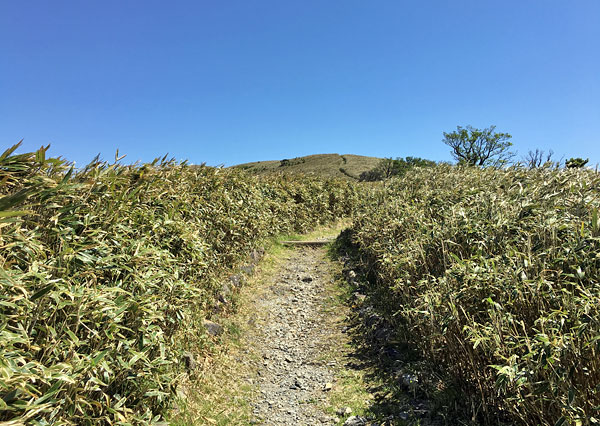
[226,82]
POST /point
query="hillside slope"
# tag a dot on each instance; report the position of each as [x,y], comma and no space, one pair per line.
[329,165]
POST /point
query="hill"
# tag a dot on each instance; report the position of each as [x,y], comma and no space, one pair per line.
[346,166]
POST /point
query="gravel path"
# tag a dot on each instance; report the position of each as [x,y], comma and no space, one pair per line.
[313,348]
[293,333]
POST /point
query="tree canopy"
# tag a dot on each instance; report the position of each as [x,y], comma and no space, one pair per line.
[479,147]
[576,163]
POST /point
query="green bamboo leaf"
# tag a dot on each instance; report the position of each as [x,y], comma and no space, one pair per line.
[67,176]
[13,213]
[99,357]
[40,155]
[42,292]
[560,421]
[10,201]
[10,396]
[571,396]
[54,389]
[73,337]
[10,150]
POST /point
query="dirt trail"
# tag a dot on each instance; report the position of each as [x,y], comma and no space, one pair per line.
[308,344]
[312,350]
[293,333]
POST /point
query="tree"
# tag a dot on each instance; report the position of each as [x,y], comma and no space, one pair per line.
[475,147]
[576,163]
[387,168]
[535,159]
[383,170]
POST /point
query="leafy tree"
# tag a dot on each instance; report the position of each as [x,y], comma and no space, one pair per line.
[576,163]
[387,168]
[475,147]
[417,162]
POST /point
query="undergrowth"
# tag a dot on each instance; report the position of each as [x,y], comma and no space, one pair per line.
[109,271]
[494,276]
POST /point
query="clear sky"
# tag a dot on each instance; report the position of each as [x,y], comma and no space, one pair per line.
[226,82]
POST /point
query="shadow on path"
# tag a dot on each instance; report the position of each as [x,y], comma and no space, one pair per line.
[406,388]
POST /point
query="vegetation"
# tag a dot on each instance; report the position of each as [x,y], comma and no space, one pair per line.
[576,163]
[348,167]
[479,147]
[286,162]
[389,167]
[108,273]
[494,275]
[539,158]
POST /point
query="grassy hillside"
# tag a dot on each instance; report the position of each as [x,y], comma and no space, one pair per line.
[345,166]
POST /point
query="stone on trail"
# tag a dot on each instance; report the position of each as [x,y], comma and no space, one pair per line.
[344,411]
[248,269]
[237,280]
[355,421]
[213,328]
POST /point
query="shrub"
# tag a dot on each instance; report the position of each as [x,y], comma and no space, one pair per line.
[108,272]
[389,167]
[576,163]
[494,275]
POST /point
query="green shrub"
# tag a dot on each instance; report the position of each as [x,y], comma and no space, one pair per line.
[576,163]
[494,274]
[389,167]
[108,272]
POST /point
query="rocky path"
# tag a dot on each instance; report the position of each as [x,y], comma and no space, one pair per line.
[308,345]
[311,349]
[294,332]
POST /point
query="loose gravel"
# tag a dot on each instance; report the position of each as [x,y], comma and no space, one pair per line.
[293,376]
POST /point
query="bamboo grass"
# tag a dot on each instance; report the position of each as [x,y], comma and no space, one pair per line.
[108,272]
[494,275]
